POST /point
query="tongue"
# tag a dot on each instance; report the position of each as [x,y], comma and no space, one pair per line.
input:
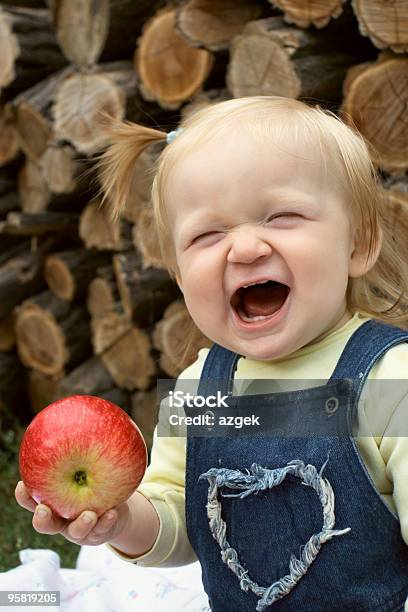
[263,299]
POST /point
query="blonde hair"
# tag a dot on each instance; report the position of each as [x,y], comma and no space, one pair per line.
[382,292]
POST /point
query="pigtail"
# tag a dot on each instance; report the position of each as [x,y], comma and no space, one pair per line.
[116,164]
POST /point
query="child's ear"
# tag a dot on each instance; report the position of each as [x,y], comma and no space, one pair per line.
[360,263]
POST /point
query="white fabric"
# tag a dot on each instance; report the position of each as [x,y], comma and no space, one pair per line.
[103,582]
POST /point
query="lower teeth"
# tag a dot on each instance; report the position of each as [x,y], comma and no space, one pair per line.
[247,319]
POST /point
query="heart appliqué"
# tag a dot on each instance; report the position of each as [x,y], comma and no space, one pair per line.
[261,479]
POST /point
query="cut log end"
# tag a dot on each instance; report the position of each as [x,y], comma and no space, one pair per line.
[59,168]
[312,12]
[146,241]
[42,389]
[108,329]
[82,29]
[34,130]
[129,361]
[39,340]
[272,61]
[9,50]
[98,230]
[385,23]
[34,192]
[7,334]
[59,278]
[171,70]
[376,100]
[100,297]
[212,25]
[178,339]
[81,105]
[9,143]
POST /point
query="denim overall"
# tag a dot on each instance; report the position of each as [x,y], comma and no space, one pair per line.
[274,543]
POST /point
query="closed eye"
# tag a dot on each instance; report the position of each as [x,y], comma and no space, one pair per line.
[205,235]
[279,215]
[214,233]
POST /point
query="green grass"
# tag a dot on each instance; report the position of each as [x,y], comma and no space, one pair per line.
[16,530]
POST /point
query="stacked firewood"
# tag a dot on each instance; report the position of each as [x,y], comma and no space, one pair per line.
[87,305]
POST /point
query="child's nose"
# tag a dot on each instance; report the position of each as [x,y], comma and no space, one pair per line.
[247,247]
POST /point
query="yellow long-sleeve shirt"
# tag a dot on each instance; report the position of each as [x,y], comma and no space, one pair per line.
[385,455]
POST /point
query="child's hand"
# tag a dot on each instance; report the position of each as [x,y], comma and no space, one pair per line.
[97,531]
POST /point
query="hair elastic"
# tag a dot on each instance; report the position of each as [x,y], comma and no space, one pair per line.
[172,135]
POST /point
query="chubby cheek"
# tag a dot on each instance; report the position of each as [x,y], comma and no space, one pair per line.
[323,279]
[202,284]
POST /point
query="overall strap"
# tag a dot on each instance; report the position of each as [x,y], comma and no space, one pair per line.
[218,371]
[366,346]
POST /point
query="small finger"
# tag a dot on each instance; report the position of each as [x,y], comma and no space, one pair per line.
[23,498]
[81,526]
[104,524]
[46,521]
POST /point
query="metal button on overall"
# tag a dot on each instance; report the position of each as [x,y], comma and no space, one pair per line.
[331,405]
[211,415]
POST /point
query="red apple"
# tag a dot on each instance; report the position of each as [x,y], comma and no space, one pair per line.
[82,453]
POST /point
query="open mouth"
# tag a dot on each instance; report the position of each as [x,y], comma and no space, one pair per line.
[259,301]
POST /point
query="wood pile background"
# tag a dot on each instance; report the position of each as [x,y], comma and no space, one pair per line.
[87,307]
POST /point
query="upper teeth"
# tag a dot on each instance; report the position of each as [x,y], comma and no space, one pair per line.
[257,283]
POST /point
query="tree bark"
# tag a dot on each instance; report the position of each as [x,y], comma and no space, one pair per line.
[89,378]
[21,274]
[9,144]
[20,224]
[145,292]
[26,3]
[9,200]
[32,111]
[126,21]
[29,50]
[7,334]
[13,384]
[42,389]
[144,412]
